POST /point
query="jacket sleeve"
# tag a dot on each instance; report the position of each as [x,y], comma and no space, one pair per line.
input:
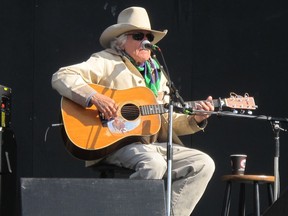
[71,82]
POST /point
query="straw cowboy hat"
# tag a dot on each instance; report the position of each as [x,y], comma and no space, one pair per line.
[132,18]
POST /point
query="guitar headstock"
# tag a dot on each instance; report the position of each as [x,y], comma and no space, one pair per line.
[240,102]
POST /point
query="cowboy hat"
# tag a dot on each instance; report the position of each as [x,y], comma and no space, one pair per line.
[132,18]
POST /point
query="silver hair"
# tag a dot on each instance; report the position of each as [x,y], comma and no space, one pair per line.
[118,43]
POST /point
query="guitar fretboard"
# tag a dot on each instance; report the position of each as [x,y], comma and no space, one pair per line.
[193,104]
[152,109]
[160,108]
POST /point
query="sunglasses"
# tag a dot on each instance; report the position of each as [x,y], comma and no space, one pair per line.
[139,36]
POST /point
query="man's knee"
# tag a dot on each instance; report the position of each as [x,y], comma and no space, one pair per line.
[152,168]
[209,165]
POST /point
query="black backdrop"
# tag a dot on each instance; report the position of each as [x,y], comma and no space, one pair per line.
[213,47]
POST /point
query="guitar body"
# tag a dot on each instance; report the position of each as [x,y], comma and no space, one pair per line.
[92,137]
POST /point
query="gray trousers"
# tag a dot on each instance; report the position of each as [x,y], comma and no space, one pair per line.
[191,171]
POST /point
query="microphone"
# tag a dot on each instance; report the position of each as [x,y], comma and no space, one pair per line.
[147,45]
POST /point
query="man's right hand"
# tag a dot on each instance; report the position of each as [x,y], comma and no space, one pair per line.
[105,105]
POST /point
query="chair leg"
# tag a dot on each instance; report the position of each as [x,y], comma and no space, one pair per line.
[270,194]
[242,200]
[227,197]
[256,199]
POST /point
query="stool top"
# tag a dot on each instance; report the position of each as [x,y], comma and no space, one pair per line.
[249,178]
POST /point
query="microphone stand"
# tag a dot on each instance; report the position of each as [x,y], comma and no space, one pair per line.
[275,122]
[169,160]
[173,94]
[174,97]
[276,128]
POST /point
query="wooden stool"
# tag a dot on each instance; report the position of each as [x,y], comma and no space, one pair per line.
[243,180]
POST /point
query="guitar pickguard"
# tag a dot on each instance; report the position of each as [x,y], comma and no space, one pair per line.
[120,125]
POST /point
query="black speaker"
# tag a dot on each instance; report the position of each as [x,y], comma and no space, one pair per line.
[8,176]
[280,207]
[91,197]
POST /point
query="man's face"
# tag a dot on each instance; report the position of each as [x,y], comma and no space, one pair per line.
[133,45]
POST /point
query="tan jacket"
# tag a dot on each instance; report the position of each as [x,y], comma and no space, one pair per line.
[109,69]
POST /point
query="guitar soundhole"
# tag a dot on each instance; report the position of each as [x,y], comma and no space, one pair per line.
[130,112]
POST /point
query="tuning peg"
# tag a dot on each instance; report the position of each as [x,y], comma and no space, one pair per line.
[249,112]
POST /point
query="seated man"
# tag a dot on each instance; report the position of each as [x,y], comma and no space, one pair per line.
[124,64]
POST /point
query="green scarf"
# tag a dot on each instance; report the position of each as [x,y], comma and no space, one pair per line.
[146,69]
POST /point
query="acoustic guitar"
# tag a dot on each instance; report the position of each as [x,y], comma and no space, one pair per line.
[91,137]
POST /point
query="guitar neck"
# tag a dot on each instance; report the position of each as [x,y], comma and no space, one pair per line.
[191,104]
[160,108]
[232,102]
